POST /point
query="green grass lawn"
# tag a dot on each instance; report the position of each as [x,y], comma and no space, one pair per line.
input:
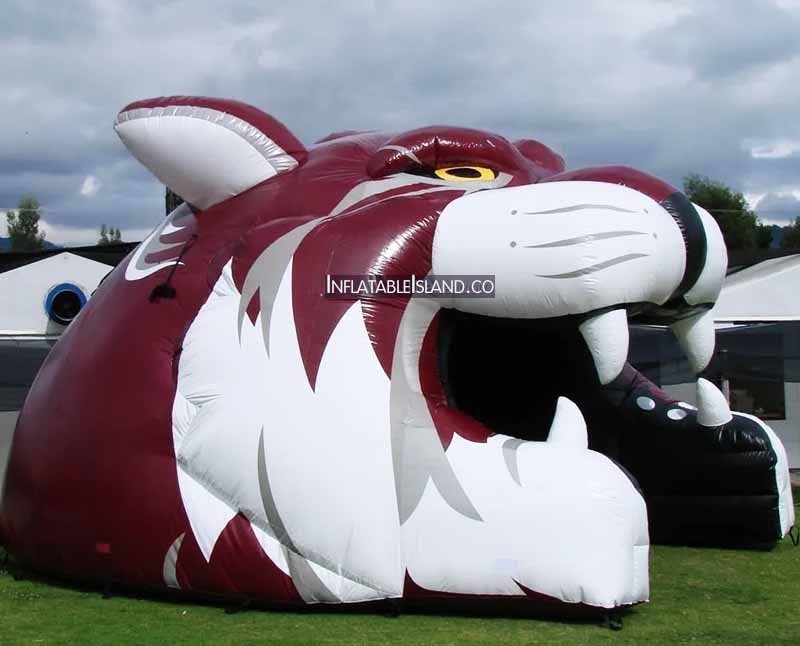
[702,596]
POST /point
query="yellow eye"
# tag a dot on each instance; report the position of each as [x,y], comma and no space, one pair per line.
[465,173]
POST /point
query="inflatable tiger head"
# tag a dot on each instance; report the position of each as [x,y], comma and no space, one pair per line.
[259,423]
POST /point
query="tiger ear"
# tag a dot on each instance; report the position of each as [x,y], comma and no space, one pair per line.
[541,155]
[207,150]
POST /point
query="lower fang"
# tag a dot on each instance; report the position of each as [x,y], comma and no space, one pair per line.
[569,426]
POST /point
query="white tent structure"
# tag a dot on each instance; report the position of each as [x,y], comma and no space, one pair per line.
[764,292]
[758,324]
[39,295]
[25,291]
[768,293]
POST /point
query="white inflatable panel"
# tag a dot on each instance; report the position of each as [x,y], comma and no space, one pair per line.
[561,248]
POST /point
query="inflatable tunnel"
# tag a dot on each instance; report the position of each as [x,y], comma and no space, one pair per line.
[387,366]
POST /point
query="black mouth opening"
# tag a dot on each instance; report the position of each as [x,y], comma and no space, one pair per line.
[509,373]
[703,485]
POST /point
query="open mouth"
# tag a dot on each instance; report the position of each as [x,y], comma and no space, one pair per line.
[509,373]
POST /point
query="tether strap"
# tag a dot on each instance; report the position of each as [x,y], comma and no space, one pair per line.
[165,289]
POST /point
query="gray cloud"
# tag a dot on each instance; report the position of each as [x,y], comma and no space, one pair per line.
[779,208]
[669,87]
[719,38]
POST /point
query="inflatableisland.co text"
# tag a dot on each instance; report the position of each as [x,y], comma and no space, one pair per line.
[430,286]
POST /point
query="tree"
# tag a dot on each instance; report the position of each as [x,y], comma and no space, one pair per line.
[23,226]
[172,201]
[739,225]
[791,235]
[109,235]
[763,236]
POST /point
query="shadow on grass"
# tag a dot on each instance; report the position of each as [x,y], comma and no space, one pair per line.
[473,608]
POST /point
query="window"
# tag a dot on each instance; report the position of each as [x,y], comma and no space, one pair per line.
[764,399]
[750,358]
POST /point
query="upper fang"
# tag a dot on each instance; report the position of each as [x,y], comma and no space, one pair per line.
[606,336]
[695,335]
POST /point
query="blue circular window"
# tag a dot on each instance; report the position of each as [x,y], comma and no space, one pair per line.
[63,303]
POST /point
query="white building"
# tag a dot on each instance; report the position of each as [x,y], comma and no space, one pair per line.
[41,298]
[758,348]
[40,294]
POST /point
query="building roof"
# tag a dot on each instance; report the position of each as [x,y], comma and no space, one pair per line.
[766,291]
[740,259]
[111,255]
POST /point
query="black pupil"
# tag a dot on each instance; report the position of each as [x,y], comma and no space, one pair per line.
[469,173]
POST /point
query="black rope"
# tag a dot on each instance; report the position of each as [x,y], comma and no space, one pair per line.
[165,289]
[392,608]
[613,621]
[243,605]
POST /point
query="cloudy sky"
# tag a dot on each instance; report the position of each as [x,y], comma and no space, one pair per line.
[670,87]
